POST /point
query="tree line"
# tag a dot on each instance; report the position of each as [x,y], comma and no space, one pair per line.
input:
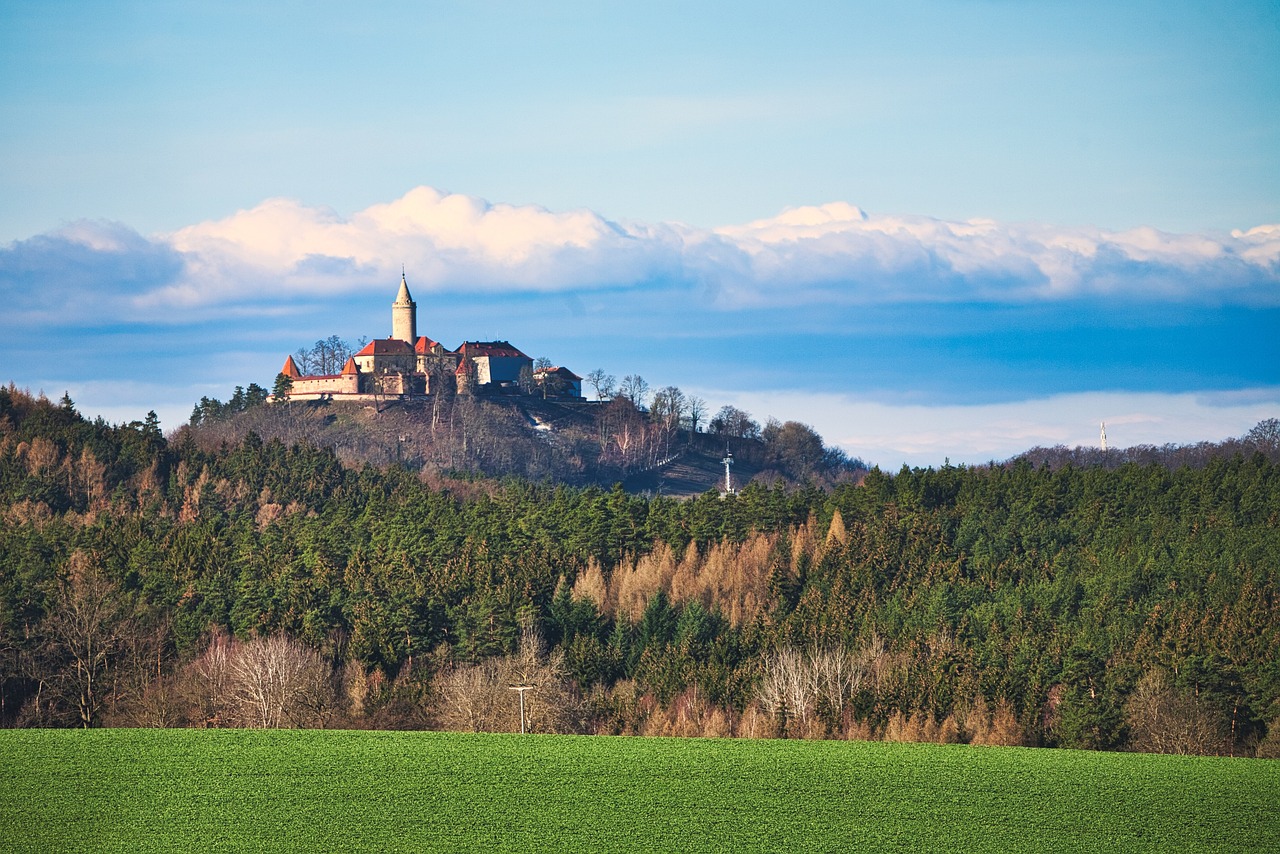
[154,580]
[600,442]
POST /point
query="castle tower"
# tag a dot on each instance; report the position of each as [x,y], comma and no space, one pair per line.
[404,315]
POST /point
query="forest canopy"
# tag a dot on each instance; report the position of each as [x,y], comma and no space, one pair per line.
[153,580]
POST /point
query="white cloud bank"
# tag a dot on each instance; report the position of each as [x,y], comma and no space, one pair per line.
[829,252]
[282,251]
[443,240]
[901,258]
[282,255]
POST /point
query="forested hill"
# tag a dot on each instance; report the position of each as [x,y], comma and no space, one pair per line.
[566,441]
[1263,438]
[142,578]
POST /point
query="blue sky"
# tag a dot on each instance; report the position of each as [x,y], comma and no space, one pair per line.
[932,230]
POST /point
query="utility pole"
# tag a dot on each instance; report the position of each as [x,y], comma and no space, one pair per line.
[520,689]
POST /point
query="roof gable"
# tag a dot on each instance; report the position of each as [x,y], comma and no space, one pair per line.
[386,347]
[564,373]
[499,349]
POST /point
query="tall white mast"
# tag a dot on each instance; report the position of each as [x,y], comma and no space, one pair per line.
[1104,435]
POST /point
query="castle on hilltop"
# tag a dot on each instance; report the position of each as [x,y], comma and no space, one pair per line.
[407,365]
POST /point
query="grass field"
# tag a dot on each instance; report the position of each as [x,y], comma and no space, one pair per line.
[222,790]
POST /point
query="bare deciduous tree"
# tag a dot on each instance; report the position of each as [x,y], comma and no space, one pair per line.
[796,686]
[786,691]
[635,389]
[603,383]
[272,680]
[837,676]
[262,683]
[326,356]
[668,407]
[622,432]
[470,698]
[734,422]
[1164,720]
[209,682]
[478,697]
[144,693]
[86,628]
[696,412]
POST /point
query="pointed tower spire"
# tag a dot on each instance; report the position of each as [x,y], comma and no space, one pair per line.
[404,314]
[403,296]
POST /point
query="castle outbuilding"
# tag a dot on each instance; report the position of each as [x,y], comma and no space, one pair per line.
[408,365]
[558,382]
[315,387]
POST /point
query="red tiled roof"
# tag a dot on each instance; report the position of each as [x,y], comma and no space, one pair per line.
[474,349]
[424,345]
[290,369]
[350,366]
[386,347]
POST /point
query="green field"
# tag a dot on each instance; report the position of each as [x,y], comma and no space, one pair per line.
[221,790]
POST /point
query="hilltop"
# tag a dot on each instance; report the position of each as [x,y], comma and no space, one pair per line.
[486,408]
[567,441]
